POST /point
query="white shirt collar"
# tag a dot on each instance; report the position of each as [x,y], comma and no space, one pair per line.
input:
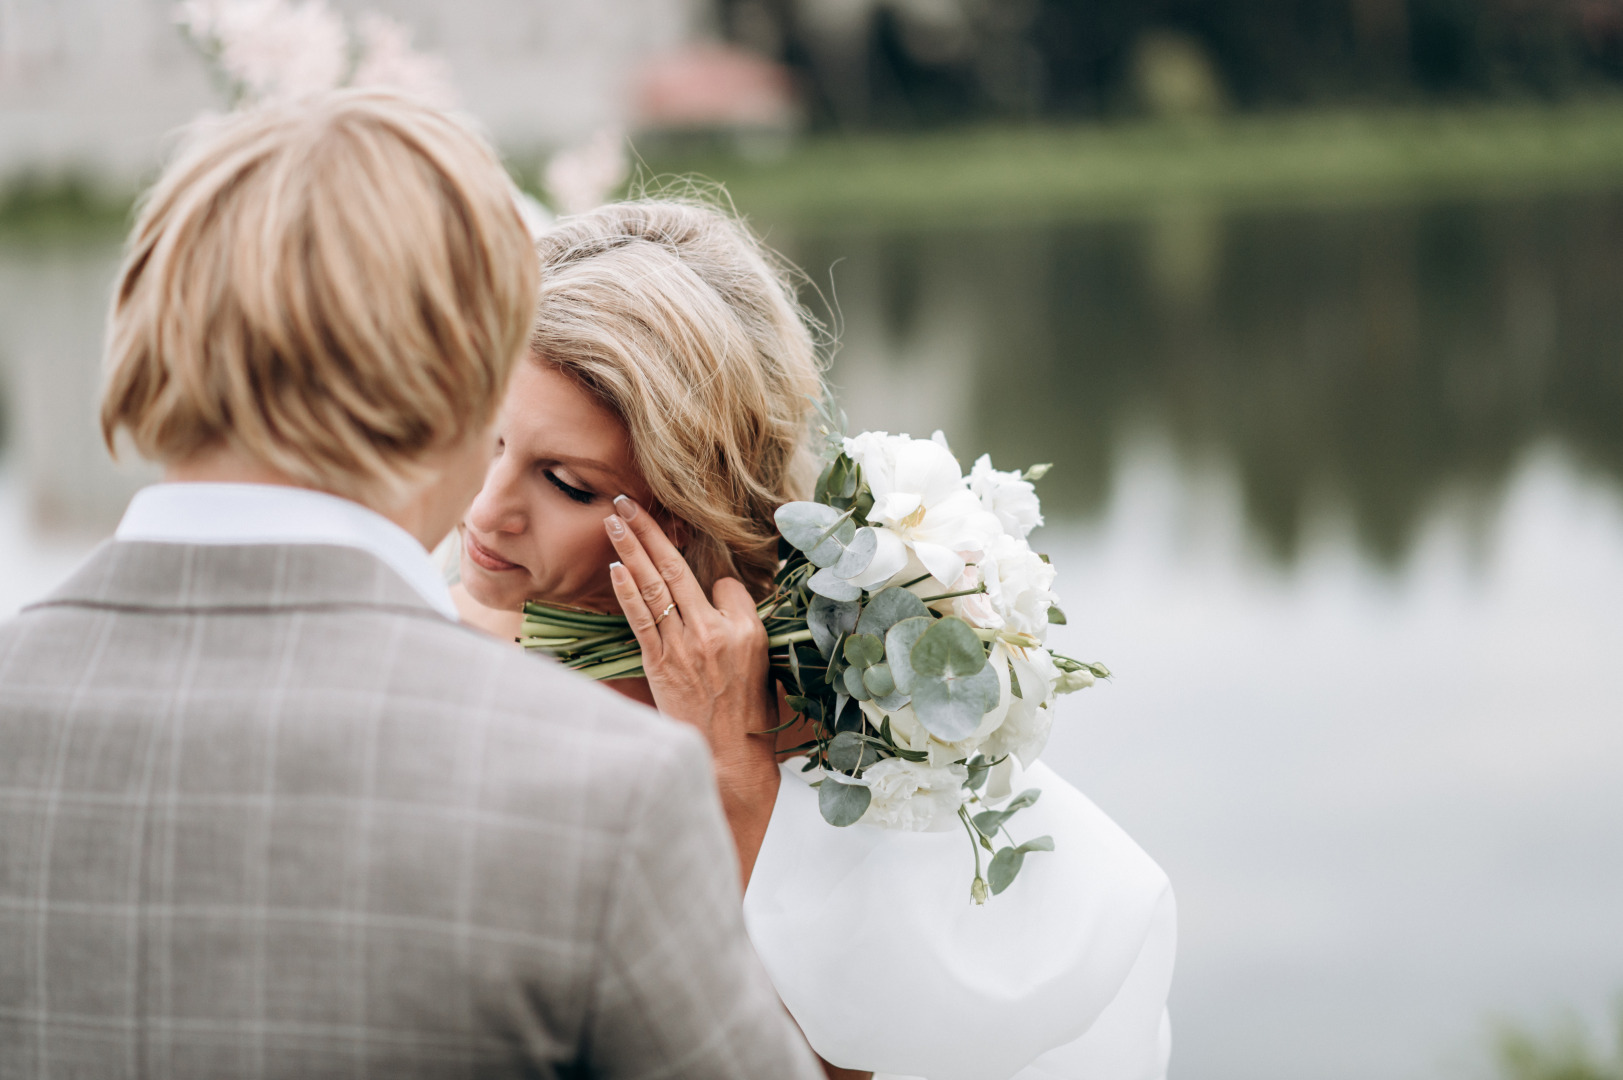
[269,514]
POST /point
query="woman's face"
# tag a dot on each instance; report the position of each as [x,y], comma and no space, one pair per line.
[535,531]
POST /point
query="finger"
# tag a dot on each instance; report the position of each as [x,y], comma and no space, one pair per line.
[636,612]
[645,577]
[666,557]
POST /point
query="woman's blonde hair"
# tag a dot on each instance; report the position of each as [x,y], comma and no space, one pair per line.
[334,288]
[677,318]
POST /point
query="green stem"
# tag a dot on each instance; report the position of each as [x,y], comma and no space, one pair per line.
[623,668]
[974,839]
[951,595]
[790,638]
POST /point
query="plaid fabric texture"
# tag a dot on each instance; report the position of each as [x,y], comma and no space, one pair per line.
[263,813]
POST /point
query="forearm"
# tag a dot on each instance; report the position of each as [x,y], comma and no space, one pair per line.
[747,798]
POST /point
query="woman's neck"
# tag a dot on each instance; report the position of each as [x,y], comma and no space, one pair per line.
[503,625]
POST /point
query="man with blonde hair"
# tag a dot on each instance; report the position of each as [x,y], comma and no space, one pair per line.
[265,808]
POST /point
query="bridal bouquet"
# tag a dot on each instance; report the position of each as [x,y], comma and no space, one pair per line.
[907,627]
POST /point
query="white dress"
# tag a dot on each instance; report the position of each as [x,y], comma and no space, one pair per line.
[873,943]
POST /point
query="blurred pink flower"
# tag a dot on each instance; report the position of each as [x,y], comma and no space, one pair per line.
[387,59]
[583,177]
[271,49]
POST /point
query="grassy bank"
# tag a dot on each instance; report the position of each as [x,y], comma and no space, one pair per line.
[52,210]
[1003,173]
[1305,158]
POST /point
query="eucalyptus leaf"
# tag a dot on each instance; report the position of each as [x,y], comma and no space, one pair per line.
[1005,865]
[820,489]
[822,532]
[794,671]
[978,767]
[878,680]
[1007,862]
[899,642]
[895,702]
[1026,798]
[832,483]
[828,619]
[832,547]
[988,822]
[853,684]
[839,480]
[849,480]
[887,608]
[863,650]
[863,504]
[949,649]
[951,707]
[806,706]
[806,524]
[857,554]
[842,804]
[849,716]
[826,583]
[850,752]
[892,702]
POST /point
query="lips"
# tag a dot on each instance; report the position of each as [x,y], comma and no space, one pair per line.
[483,556]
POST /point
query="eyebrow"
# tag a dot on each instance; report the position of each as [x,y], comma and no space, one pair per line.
[585,462]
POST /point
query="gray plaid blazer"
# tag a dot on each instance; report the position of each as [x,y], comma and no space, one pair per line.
[263,813]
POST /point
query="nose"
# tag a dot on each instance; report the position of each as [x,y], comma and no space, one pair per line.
[499,506]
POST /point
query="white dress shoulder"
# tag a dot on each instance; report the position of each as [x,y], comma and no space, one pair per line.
[873,943]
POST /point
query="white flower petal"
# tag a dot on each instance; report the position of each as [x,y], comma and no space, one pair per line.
[944,564]
[890,557]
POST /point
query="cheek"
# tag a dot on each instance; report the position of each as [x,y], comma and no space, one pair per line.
[573,552]
[589,550]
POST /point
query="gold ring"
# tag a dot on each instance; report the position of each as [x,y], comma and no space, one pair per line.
[670,607]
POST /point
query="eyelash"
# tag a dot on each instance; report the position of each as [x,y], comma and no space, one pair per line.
[574,494]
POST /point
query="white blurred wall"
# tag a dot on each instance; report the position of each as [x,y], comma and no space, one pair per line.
[94,85]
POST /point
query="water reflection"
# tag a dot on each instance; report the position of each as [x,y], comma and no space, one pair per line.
[53,300]
[1364,362]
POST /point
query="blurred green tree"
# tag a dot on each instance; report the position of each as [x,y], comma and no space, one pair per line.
[912,63]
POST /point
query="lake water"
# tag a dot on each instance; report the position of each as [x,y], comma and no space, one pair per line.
[1338,495]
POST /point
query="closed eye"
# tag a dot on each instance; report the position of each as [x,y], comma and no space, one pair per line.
[577,494]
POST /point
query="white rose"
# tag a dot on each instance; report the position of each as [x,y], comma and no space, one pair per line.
[1025,730]
[913,796]
[1017,584]
[921,508]
[1007,495]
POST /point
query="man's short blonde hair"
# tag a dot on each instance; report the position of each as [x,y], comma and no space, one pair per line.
[334,289]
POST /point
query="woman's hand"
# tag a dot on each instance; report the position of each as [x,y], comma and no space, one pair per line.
[706,664]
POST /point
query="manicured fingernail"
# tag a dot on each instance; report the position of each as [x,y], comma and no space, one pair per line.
[616,527]
[617,572]
[627,508]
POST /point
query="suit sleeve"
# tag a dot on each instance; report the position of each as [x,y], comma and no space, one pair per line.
[679,991]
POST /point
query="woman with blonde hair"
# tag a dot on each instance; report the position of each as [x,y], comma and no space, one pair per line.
[662,418]
[643,450]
